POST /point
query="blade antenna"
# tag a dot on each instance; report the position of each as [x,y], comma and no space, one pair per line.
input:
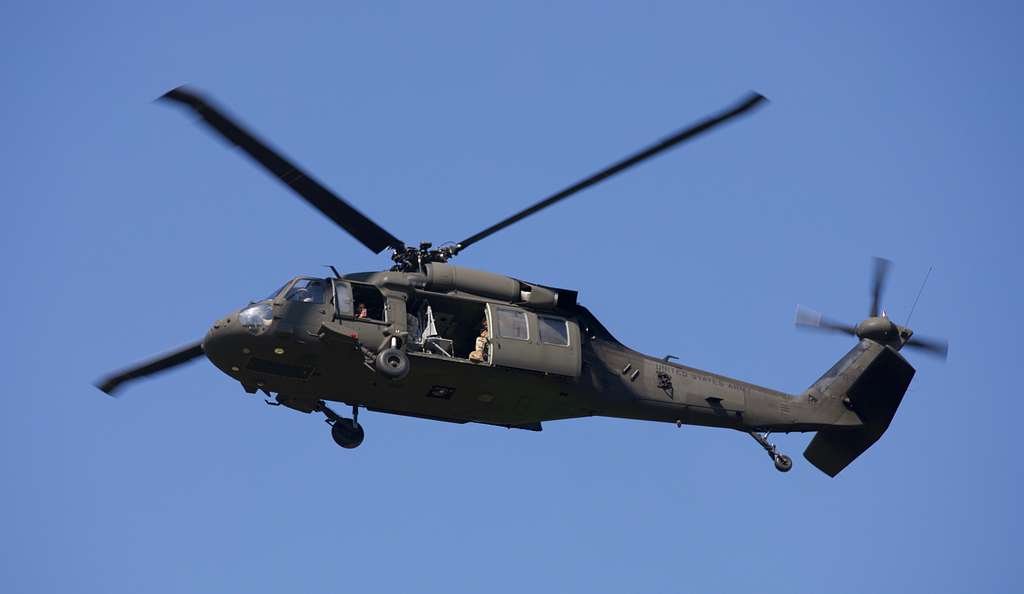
[919,291]
[747,104]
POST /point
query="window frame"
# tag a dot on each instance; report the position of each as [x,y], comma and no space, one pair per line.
[499,310]
[565,327]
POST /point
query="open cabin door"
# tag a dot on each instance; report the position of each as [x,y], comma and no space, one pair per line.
[538,342]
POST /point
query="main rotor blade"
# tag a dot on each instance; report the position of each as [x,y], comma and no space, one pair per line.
[703,126]
[934,346]
[878,284]
[809,318]
[110,383]
[330,204]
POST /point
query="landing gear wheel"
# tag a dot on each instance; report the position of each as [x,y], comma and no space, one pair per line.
[392,363]
[347,433]
[782,462]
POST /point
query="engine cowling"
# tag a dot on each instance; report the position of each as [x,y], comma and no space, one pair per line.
[442,278]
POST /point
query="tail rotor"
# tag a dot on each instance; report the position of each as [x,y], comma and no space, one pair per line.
[878,326]
[881,273]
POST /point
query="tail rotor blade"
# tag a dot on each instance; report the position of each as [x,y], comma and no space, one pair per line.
[809,318]
[110,383]
[932,346]
[878,284]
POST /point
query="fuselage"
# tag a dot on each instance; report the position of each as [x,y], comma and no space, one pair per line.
[545,357]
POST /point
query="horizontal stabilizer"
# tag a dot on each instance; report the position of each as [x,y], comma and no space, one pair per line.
[874,396]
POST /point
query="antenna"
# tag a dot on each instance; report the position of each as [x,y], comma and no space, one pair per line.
[919,291]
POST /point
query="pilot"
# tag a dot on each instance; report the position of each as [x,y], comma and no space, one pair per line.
[361,312]
[477,356]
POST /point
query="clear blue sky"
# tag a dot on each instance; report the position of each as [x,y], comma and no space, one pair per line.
[894,130]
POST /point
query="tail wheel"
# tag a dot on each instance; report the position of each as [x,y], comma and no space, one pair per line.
[783,463]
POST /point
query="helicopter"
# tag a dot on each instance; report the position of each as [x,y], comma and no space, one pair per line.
[429,339]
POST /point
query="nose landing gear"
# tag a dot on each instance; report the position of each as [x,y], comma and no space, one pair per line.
[782,462]
[347,433]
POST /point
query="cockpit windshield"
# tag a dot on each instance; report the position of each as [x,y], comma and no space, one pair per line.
[277,292]
[307,290]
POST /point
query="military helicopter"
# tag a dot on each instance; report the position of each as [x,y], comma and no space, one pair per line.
[432,340]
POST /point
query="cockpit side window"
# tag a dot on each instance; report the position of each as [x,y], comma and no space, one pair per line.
[307,290]
[343,298]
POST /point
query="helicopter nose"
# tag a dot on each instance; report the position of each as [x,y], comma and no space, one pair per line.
[226,344]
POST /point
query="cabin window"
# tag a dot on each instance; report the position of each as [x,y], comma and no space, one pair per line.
[512,324]
[369,302]
[307,290]
[553,331]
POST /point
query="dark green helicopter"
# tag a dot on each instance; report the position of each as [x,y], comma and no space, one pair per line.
[431,340]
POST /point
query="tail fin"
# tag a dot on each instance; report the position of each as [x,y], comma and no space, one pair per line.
[874,395]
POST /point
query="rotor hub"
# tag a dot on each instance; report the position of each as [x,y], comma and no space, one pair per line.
[412,259]
[878,328]
[884,331]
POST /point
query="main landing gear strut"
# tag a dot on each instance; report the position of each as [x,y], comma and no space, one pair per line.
[782,462]
[347,433]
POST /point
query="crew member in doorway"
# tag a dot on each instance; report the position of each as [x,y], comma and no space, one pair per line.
[361,311]
[479,354]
